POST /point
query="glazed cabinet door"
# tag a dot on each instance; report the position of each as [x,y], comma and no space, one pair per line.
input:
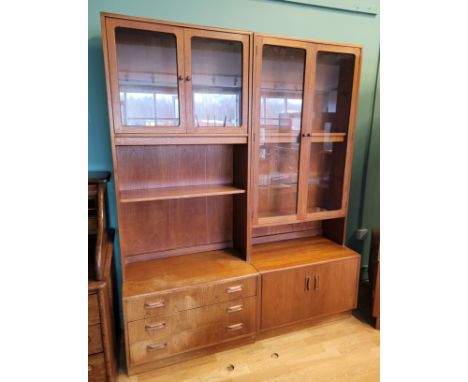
[281,88]
[328,135]
[147,87]
[217,81]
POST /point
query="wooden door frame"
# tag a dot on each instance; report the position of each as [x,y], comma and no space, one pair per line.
[356,51]
[244,39]
[119,128]
[259,42]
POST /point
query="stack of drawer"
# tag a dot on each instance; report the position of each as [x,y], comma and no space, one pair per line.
[175,321]
[96,359]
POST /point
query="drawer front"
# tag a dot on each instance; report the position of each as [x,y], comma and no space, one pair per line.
[96,368]
[166,304]
[93,309]
[94,339]
[150,350]
[215,293]
[158,305]
[213,324]
[148,329]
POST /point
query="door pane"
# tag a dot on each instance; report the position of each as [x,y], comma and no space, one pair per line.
[216,82]
[280,126]
[332,105]
[333,88]
[147,69]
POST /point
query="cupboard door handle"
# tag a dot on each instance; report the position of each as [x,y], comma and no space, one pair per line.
[90,368]
[238,326]
[234,308]
[307,284]
[308,134]
[188,78]
[157,304]
[156,346]
[303,135]
[157,326]
[234,289]
[180,77]
[316,282]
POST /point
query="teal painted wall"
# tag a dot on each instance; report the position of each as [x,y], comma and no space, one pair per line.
[266,16]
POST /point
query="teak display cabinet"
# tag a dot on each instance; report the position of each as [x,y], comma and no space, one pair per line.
[232,155]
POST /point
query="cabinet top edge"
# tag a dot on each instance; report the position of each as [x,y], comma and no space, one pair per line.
[173,23]
[227,30]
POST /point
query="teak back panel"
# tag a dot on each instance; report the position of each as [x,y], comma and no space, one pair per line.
[143,167]
[158,226]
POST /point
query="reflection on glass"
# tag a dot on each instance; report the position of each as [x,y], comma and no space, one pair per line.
[333,87]
[332,104]
[216,82]
[147,70]
[280,124]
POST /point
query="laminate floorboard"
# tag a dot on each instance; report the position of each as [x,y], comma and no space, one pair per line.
[347,350]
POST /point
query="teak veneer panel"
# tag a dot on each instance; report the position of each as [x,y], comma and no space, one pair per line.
[183,192]
[181,271]
[295,253]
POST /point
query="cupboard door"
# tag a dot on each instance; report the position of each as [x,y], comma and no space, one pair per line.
[327,185]
[146,71]
[216,78]
[335,286]
[286,297]
[281,86]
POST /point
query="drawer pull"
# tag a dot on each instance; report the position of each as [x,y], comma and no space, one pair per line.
[154,305]
[234,289]
[317,282]
[234,327]
[234,308]
[156,346]
[157,326]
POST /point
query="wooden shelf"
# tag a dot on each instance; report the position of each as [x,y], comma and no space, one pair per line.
[294,137]
[180,271]
[183,192]
[298,252]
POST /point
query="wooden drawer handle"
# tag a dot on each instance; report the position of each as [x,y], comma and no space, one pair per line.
[156,346]
[234,289]
[154,305]
[317,282]
[234,308]
[157,326]
[238,326]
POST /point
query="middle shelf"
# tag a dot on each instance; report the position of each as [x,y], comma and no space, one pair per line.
[179,192]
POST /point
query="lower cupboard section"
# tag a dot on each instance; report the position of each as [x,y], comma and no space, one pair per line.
[153,339]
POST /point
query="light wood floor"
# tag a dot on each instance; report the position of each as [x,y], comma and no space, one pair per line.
[345,350]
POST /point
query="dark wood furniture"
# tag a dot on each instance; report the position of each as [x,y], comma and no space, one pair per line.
[374,275]
[102,364]
[232,158]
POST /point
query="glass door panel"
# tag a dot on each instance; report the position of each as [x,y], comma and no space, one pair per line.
[148,82]
[332,106]
[217,81]
[281,98]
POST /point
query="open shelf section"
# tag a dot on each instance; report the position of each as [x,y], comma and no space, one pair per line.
[181,192]
[182,271]
[295,253]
